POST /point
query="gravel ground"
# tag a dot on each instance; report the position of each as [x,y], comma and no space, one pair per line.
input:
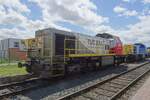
[64,86]
[132,90]
[17,78]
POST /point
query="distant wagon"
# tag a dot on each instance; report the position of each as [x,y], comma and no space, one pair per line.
[140,50]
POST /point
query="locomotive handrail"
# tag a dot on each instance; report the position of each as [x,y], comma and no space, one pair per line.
[89,55]
[83,54]
[79,52]
[81,49]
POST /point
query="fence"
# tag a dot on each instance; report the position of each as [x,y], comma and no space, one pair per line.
[11,56]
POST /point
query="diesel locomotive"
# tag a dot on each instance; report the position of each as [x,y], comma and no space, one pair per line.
[56,52]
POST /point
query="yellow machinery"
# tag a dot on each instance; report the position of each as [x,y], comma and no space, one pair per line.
[128,49]
[29,43]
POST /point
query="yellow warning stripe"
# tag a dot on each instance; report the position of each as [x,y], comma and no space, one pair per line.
[89,55]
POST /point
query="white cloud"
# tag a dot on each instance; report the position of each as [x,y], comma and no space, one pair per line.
[142,27]
[15,5]
[124,11]
[138,32]
[78,12]
[130,13]
[13,33]
[12,14]
[119,9]
[126,0]
[146,1]
[11,17]
[133,33]
[130,1]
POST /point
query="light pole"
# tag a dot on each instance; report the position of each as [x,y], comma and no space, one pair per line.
[8,52]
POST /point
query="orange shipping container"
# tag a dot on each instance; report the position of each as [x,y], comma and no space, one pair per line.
[16,54]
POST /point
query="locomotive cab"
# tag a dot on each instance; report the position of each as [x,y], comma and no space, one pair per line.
[116,44]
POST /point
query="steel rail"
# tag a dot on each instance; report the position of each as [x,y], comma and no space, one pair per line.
[15,84]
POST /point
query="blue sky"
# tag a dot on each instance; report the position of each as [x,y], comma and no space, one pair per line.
[129,19]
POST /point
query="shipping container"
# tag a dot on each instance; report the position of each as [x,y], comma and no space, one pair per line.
[10,49]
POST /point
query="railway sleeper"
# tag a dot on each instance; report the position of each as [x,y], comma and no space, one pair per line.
[121,82]
[124,81]
[114,82]
[104,92]
[123,78]
[113,85]
[111,88]
[129,76]
[90,95]
[98,97]
[81,98]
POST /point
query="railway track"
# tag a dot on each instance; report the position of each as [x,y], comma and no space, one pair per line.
[15,88]
[109,89]
[8,90]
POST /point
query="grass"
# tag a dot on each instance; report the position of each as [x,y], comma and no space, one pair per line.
[6,61]
[11,70]
[3,61]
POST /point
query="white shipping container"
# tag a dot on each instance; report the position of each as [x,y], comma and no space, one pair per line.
[5,44]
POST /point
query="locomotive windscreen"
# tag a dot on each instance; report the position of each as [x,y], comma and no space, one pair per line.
[105,35]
